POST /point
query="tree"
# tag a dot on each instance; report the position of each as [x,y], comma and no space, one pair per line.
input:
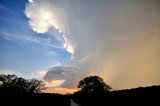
[7,83]
[11,84]
[93,85]
[35,86]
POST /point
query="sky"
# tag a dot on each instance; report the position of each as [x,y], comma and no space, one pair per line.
[23,50]
[63,41]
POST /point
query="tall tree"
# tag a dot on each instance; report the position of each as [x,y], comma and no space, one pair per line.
[93,85]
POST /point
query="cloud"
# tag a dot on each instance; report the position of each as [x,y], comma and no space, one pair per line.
[59,90]
[118,40]
[19,36]
[54,83]
[42,17]
[31,1]
[36,74]
[23,37]
[68,76]
[8,71]
[5,9]
[39,74]
[51,53]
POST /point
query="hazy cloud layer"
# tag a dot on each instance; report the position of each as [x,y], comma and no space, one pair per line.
[69,75]
[116,39]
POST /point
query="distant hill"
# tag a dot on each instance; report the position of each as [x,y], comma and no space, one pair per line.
[122,97]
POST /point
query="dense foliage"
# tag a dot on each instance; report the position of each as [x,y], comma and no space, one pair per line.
[93,85]
[11,84]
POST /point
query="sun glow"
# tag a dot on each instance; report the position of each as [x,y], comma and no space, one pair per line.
[31,1]
[46,16]
[60,90]
[54,83]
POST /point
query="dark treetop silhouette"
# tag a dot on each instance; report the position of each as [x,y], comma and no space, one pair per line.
[93,85]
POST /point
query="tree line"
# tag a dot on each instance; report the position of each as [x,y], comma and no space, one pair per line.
[93,91]
[11,84]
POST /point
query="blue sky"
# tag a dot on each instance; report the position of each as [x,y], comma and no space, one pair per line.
[22,49]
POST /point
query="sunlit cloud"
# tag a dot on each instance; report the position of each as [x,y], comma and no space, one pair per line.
[42,22]
[42,17]
[67,44]
[31,1]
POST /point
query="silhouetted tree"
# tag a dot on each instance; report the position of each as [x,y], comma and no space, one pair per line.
[11,84]
[93,85]
[35,86]
[7,82]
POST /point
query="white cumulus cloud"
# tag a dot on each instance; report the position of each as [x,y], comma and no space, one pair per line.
[43,16]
